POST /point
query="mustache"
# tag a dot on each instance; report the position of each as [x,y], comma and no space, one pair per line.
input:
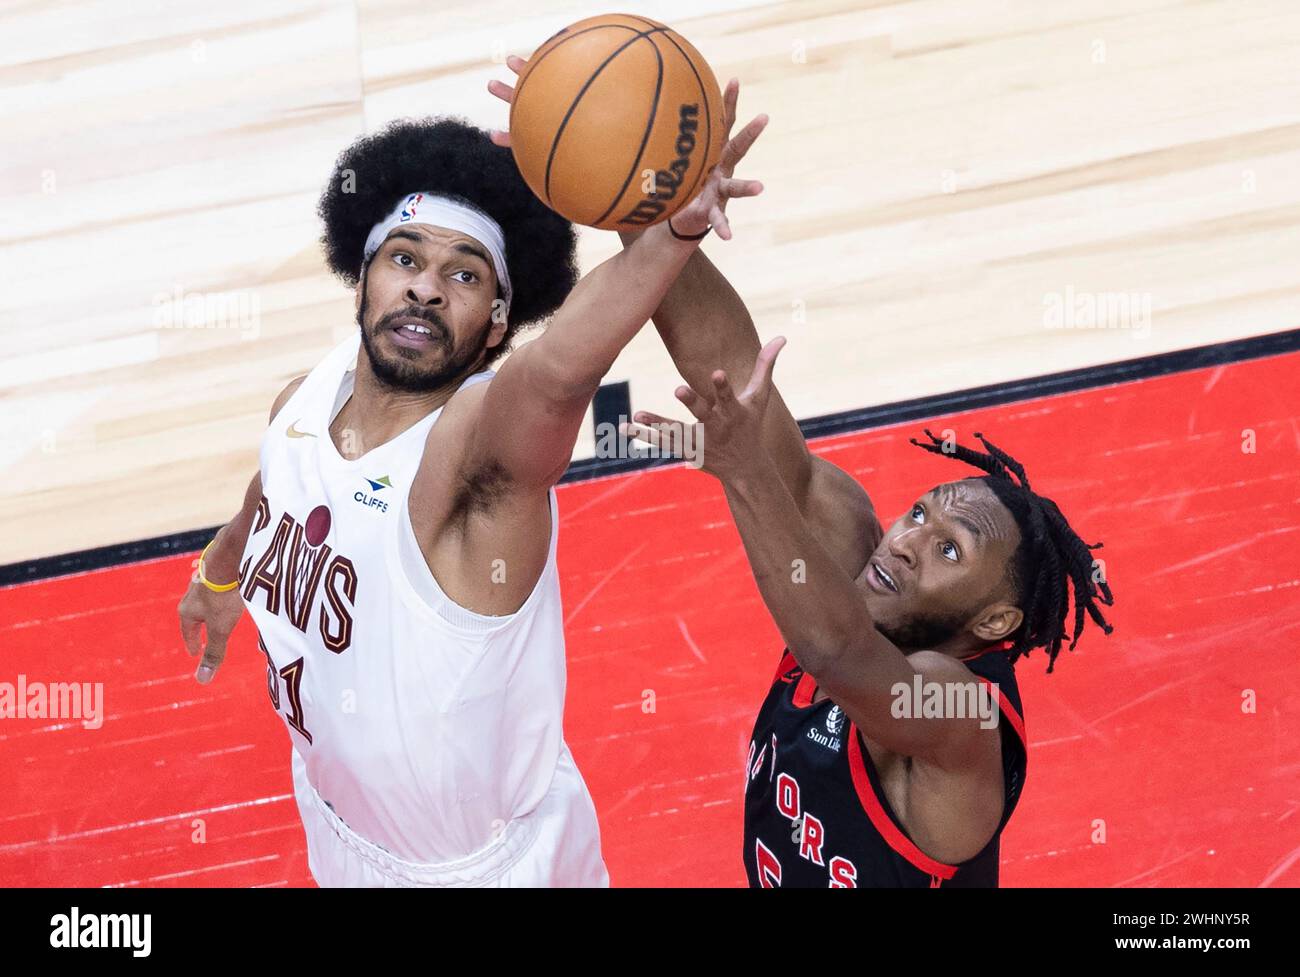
[430,316]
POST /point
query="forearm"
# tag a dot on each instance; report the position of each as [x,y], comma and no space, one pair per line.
[603,312]
[221,565]
[706,326]
[703,322]
[815,604]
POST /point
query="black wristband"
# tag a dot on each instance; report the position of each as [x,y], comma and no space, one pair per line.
[688,237]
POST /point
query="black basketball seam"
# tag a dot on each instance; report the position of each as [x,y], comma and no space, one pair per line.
[645,135]
[704,97]
[533,64]
[646,20]
[559,133]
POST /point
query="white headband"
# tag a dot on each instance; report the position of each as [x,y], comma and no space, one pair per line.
[430,208]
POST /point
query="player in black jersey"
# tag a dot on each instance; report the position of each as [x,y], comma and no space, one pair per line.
[890,750]
[881,755]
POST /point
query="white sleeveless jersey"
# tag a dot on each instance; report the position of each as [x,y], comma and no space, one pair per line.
[426,727]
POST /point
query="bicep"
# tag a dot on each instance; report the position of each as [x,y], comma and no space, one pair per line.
[903,721]
[837,509]
[524,429]
[839,512]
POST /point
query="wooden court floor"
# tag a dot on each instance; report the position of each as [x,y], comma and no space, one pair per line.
[948,183]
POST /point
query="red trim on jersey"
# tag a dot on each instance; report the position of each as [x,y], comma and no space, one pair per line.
[882,822]
[1016,720]
[803,692]
[1004,646]
[787,662]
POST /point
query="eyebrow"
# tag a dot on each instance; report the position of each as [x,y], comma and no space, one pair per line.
[946,494]
[464,247]
[972,527]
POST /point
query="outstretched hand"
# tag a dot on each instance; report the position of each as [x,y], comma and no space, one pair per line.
[709,206]
[728,433]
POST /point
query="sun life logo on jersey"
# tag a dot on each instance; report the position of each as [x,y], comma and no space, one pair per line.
[835,720]
[834,723]
[372,501]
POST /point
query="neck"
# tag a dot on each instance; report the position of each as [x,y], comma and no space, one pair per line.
[377,412]
[960,645]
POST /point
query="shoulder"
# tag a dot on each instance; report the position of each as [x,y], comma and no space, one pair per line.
[459,416]
[449,447]
[969,736]
[938,666]
[283,397]
[934,666]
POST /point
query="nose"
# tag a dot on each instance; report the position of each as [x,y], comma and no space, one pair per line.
[425,290]
[902,546]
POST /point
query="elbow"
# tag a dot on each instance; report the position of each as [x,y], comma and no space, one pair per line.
[563,381]
[817,651]
[834,640]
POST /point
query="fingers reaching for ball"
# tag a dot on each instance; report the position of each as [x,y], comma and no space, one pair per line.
[507,94]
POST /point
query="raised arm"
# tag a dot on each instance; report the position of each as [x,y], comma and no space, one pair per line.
[815,604]
[705,326]
[535,405]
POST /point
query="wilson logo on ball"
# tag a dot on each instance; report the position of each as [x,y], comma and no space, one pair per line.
[651,208]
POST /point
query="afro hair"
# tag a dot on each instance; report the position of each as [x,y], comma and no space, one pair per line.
[448,156]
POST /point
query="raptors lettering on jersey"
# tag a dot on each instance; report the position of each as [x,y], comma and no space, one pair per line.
[816,813]
[808,832]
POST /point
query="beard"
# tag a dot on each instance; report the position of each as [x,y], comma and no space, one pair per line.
[403,370]
[923,631]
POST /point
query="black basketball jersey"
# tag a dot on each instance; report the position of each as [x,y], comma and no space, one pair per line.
[815,812]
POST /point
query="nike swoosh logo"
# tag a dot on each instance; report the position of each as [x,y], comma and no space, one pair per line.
[293,432]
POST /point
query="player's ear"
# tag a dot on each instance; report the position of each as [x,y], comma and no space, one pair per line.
[360,290]
[499,324]
[997,622]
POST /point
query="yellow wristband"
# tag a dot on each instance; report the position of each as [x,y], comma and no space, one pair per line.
[219,588]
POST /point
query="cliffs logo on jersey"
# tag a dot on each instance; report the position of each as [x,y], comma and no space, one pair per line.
[377,485]
[298,571]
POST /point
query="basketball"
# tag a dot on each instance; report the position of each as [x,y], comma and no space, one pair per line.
[616,121]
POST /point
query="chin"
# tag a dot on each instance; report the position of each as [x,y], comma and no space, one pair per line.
[877,604]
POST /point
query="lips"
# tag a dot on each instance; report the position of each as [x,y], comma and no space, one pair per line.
[415,333]
[881,580]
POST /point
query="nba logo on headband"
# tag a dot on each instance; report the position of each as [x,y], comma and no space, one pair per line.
[438,210]
[408,208]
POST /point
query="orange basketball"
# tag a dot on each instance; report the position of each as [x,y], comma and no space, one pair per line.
[615,122]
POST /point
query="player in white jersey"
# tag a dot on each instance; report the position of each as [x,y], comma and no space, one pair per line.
[397,548]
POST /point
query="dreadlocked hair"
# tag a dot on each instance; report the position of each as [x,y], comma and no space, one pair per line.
[1051,556]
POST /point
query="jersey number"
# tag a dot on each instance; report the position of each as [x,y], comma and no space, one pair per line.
[292,675]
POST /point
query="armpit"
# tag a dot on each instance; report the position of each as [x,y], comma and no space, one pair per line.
[480,489]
